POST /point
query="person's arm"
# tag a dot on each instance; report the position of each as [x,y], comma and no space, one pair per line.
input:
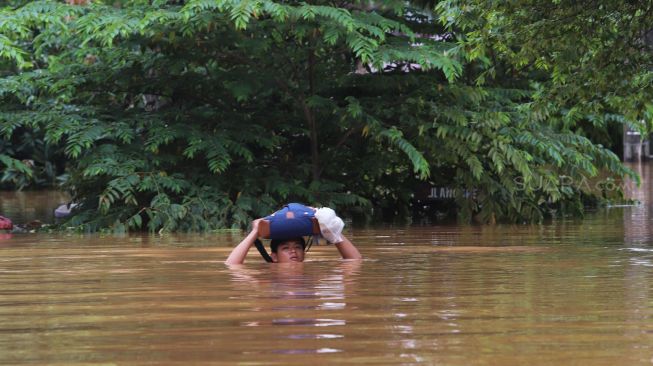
[331,229]
[239,253]
[348,250]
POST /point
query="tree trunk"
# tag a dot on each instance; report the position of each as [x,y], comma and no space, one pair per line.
[310,117]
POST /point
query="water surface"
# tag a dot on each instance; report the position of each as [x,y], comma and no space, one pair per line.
[568,292]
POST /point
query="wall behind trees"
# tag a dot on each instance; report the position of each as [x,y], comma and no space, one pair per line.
[196,115]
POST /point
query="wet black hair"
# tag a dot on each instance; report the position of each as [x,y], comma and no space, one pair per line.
[274,243]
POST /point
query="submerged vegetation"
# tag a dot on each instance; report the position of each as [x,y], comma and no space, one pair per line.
[201,114]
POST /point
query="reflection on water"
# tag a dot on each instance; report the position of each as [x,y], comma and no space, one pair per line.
[569,292]
[636,219]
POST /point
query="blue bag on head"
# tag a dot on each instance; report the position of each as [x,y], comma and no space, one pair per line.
[292,221]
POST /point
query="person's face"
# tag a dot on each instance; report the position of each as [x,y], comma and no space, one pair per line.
[290,251]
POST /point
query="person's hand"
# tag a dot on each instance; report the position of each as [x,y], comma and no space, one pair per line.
[330,225]
[255,225]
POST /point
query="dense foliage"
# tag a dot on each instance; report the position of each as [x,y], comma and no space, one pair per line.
[200,114]
[596,57]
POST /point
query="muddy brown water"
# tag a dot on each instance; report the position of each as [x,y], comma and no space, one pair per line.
[567,292]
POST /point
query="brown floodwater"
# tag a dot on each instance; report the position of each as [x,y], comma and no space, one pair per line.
[566,292]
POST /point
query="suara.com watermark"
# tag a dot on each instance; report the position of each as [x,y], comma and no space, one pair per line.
[581,183]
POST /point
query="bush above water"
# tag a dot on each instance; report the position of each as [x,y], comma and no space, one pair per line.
[200,115]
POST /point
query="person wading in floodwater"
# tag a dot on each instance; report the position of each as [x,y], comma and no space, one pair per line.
[287,227]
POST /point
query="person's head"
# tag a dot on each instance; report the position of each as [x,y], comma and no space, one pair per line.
[288,250]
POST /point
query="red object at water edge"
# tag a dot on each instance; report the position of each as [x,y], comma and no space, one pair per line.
[5,223]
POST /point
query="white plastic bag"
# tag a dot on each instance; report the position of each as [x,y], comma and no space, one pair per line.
[330,225]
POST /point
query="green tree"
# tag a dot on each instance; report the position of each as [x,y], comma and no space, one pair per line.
[592,60]
[202,114]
